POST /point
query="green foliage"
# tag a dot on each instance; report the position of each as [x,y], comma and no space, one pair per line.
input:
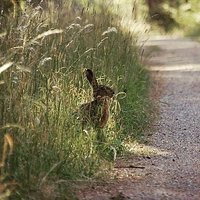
[40,94]
[160,14]
[189,18]
[180,16]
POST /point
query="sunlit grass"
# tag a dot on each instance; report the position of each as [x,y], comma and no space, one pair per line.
[144,150]
[40,94]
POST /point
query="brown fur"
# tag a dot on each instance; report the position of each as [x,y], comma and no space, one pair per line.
[96,112]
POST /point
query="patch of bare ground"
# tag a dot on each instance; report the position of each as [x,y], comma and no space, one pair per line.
[169,166]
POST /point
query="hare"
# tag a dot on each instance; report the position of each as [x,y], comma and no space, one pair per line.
[97,111]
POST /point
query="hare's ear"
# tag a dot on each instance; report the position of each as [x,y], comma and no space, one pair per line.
[91,78]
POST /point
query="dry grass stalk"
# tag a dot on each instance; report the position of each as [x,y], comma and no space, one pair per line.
[6,188]
[7,148]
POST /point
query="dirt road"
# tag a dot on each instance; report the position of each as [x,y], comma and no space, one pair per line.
[170,169]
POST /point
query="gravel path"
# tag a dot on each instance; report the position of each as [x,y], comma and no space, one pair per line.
[172,169]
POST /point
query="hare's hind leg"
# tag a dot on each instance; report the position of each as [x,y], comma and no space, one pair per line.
[105,114]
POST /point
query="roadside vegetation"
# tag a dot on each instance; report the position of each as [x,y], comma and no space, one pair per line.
[189,18]
[178,17]
[43,55]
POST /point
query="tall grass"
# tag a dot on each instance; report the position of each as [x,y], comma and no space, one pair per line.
[41,92]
